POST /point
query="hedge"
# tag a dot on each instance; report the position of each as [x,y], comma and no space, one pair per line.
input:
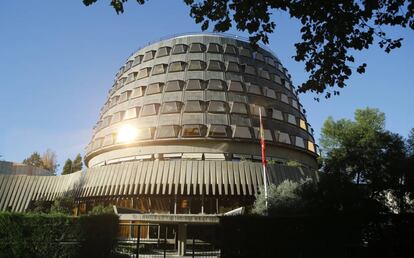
[57,235]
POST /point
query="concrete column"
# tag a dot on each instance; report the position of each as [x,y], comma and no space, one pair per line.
[182,238]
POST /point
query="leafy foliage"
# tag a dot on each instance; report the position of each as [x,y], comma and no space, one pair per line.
[67,168]
[63,205]
[101,209]
[331,30]
[72,166]
[47,161]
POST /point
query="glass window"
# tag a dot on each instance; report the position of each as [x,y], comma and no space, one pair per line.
[264,74]
[284,98]
[302,124]
[179,49]
[193,131]
[258,56]
[245,52]
[131,113]
[214,48]
[137,60]
[197,48]
[311,146]
[149,55]
[168,131]
[175,85]
[114,101]
[267,134]
[283,137]
[196,65]
[171,107]
[154,88]
[235,86]
[193,106]
[255,110]
[131,77]
[106,121]
[254,89]
[109,139]
[248,69]
[233,67]
[270,61]
[128,65]
[138,92]
[194,84]
[217,107]
[177,66]
[144,72]
[150,110]
[295,104]
[242,132]
[218,131]
[215,84]
[299,142]
[163,51]
[291,119]
[230,49]
[277,114]
[159,69]
[145,133]
[97,143]
[270,93]
[117,117]
[238,108]
[215,65]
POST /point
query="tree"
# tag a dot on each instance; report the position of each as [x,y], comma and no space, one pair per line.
[64,204]
[34,160]
[67,168]
[49,160]
[77,163]
[331,30]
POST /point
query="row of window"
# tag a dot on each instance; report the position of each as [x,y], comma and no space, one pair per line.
[212,130]
[197,106]
[199,48]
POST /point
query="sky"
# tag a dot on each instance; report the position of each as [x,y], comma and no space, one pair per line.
[58,60]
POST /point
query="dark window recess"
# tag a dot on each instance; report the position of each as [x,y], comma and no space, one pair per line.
[217,107]
[196,65]
[159,69]
[150,110]
[233,67]
[163,51]
[254,89]
[193,106]
[219,131]
[215,84]
[235,86]
[245,52]
[238,108]
[149,55]
[154,88]
[249,69]
[193,131]
[215,65]
[242,132]
[138,92]
[214,48]
[197,48]
[171,107]
[230,49]
[179,49]
[137,60]
[168,131]
[174,85]
[177,66]
[194,84]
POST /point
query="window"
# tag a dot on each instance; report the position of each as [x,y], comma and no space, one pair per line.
[128,65]
[175,85]
[277,114]
[267,134]
[168,131]
[193,106]
[197,65]
[197,48]
[235,86]
[214,48]
[114,101]
[284,98]
[277,79]
[106,121]
[193,131]
[248,69]
[194,84]
[138,92]
[215,65]
[217,107]
[125,96]
[299,142]
[171,107]
[270,61]
[215,84]
[131,77]
[149,55]
[218,131]
[258,56]
[270,93]
[177,66]
[154,88]
[302,124]
[230,49]
[159,69]
[242,132]
[149,110]
[233,67]
[145,133]
[255,110]
[163,51]
[254,89]
[238,108]
[179,49]
[295,104]
[283,137]
[311,146]
[245,52]
[137,60]
[109,139]
[117,117]
[291,119]
[97,143]
[264,74]
[144,72]
[131,113]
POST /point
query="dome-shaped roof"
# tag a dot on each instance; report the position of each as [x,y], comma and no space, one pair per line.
[199,96]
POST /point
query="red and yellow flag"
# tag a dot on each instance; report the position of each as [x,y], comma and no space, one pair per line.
[262,139]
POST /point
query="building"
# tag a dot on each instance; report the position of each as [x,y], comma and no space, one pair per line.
[178,134]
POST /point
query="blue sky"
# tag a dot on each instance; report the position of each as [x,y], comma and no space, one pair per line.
[58,60]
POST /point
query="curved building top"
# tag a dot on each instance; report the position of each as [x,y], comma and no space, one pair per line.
[198,96]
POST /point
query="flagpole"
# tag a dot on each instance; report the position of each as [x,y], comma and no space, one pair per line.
[263,148]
